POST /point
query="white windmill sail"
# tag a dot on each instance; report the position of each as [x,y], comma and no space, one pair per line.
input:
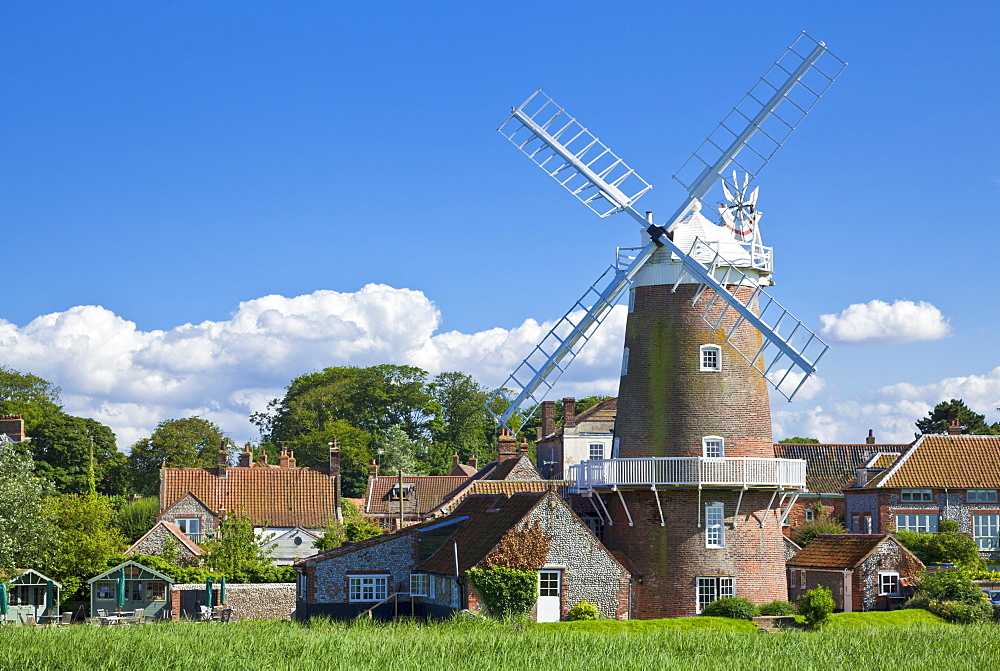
[587,168]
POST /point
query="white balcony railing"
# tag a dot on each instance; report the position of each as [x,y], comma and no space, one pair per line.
[690,471]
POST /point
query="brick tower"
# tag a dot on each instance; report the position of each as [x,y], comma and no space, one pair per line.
[694,492]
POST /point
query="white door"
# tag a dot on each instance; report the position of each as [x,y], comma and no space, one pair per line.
[548,596]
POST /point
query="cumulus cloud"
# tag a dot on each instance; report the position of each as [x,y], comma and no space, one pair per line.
[131,379]
[890,411]
[877,322]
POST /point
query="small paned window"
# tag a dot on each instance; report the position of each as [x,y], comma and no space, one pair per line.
[104,591]
[407,492]
[625,363]
[888,583]
[715,587]
[368,587]
[631,301]
[915,496]
[594,523]
[924,523]
[597,450]
[810,514]
[191,526]
[135,590]
[420,584]
[981,496]
[715,531]
[156,590]
[548,583]
[711,357]
[986,531]
[713,447]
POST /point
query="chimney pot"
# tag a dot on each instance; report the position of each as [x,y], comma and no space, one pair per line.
[373,469]
[474,462]
[454,461]
[954,428]
[871,437]
[246,456]
[569,413]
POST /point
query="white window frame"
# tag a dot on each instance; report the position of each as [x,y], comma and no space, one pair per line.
[548,587]
[916,496]
[104,587]
[710,588]
[705,360]
[625,363]
[715,525]
[919,522]
[185,525]
[367,588]
[981,496]
[986,530]
[600,450]
[888,583]
[631,301]
[713,447]
[303,586]
[421,585]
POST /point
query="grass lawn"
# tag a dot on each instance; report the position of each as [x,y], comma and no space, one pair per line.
[692,643]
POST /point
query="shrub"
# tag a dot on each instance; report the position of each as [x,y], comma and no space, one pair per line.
[733,607]
[944,547]
[947,526]
[778,608]
[805,534]
[583,611]
[507,592]
[816,605]
[961,613]
[949,586]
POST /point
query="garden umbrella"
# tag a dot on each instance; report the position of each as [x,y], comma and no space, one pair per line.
[3,600]
[208,591]
[222,590]
[50,596]
[121,588]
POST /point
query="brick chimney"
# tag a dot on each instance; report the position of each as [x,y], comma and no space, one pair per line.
[373,469]
[455,462]
[506,445]
[13,427]
[548,418]
[336,478]
[569,413]
[223,459]
[954,428]
[283,459]
[291,459]
[523,447]
[246,456]
[870,440]
[474,462]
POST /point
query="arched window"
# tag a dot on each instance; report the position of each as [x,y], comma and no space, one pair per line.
[713,447]
[710,357]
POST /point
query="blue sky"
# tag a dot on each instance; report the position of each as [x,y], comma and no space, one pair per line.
[170,161]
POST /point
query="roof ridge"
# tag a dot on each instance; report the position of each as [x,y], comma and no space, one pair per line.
[900,460]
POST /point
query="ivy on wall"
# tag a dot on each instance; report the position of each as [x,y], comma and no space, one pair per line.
[507,592]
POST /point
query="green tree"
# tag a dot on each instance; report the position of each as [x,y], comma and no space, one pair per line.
[238,552]
[62,444]
[939,419]
[398,452]
[28,395]
[807,533]
[137,517]
[945,547]
[816,606]
[507,592]
[26,532]
[466,428]
[797,439]
[192,441]
[87,540]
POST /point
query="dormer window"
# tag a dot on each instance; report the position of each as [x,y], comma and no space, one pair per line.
[407,492]
[711,357]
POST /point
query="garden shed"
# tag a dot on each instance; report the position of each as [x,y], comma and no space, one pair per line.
[131,586]
[30,593]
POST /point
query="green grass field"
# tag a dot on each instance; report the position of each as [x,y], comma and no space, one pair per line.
[853,641]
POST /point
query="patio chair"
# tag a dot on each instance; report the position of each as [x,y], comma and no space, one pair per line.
[65,620]
[101,612]
[206,614]
[136,617]
[225,615]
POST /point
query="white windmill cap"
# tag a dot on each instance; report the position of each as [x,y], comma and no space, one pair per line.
[711,238]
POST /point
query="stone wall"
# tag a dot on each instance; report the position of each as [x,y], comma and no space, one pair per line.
[189,506]
[249,601]
[154,542]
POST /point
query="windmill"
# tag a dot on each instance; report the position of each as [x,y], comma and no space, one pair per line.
[594,174]
[692,494]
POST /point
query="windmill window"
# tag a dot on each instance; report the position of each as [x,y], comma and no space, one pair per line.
[715,532]
[711,357]
[713,447]
[625,362]
[714,587]
[631,301]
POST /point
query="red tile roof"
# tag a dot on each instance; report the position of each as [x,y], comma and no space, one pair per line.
[843,551]
[427,493]
[275,497]
[945,461]
[506,487]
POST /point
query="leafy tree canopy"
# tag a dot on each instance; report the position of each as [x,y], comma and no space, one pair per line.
[943,548]
[238,551]
[28,395]
[397,452]
[192,441]
[939,419]
[62,444]
[797,439]
[137,517]
[26,533]
[466,428]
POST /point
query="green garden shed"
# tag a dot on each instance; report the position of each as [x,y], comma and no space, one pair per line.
[29,593]
[131,586]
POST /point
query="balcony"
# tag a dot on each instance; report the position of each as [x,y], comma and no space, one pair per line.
[725,473]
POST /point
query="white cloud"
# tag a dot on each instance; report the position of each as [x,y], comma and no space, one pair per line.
[224,370]
[877,322]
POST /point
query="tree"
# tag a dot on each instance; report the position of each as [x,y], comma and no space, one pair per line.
[238,552]
[62,450]
[137,517]
[944,547]
[26,532]
[87,540]
[797,439]
[29,396]
[939,419]
[807,533]
[399,453]
[816,605]
[466,427]
[188,442]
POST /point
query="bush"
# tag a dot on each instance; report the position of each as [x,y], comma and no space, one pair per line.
[732,607]
[805,534]
[778,608]
[947,526]
[943,547]
[948,586]
[507,592]
[583,611]
[961,613]
[816,605]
